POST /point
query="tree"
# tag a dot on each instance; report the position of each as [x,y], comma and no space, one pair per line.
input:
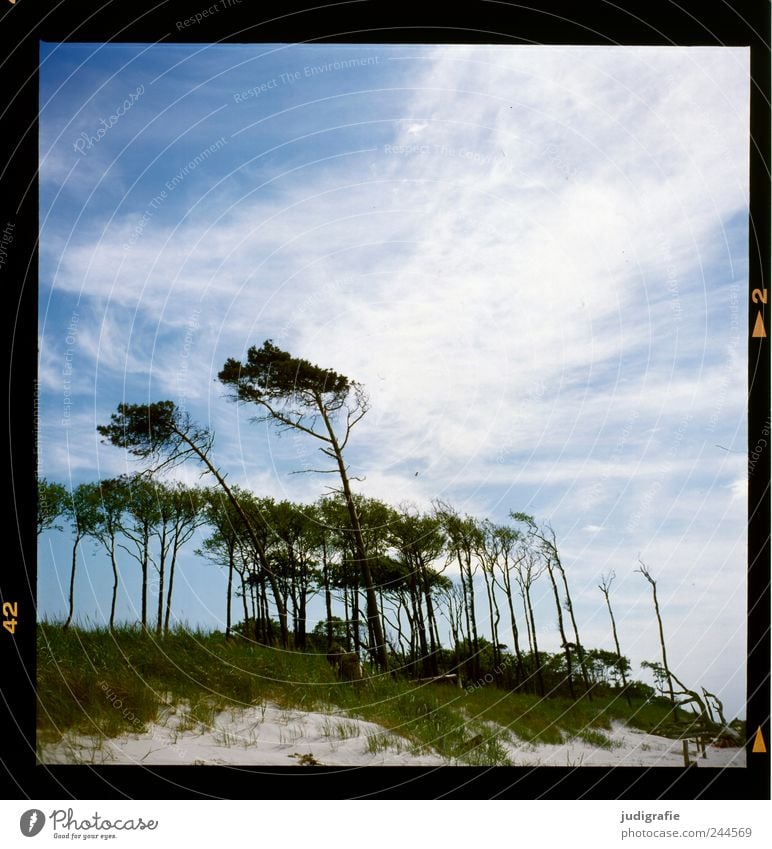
[549,549]
[301,396]
[186,514]
[528,570]
[293,530]
[646,574]
[81,510]
[462,542]
[109,505]
[605,588]
[162,433]
[221,546]
[503,540]
[418,538]
[52,503]
[138,523]
[488,555]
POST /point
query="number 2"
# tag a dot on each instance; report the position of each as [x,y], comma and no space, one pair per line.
[10,608]
[759,295]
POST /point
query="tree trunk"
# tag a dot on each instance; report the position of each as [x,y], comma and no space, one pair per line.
[355,617]
[145,566]
[579,649]
[115,584]
[662,643]
[228,602]
[78,537]
[494,631]
[473,617]
[616,641]
[161,570]
[327,594]
[258,546]
[539,676]
[434,645]
[244,591]
[564,640]
[379,649]
[513,622]
[172,565]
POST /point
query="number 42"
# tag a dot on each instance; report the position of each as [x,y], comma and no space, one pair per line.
[10,609]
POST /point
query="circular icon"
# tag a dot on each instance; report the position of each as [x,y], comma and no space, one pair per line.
[32,822]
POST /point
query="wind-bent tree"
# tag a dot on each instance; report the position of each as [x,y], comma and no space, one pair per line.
[52,504]
[503,541]
[324,405]
[81,511]
[528,569]
[488,555]
[533,531]
[549,548]
[605,588]
[162,433]
[646,574]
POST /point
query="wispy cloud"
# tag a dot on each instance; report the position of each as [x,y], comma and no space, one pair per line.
[531,257]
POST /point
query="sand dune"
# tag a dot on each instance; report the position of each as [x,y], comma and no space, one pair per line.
[272,736]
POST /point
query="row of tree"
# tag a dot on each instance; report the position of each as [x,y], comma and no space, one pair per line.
[385,566]
[308,551]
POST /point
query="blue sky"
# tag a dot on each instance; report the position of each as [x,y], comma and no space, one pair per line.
[534,258]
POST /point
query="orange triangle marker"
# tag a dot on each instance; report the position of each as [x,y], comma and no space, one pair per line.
[758,328]
[758,742]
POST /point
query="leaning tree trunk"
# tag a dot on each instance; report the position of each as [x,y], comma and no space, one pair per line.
[257,545]
[228,601]
[653,583]
[579,649]
[605,592]
[473,616]
[566,647]
[537,657]
[513,622]
[494,623]
[78,537]
[432,622]
[115,585]
[379,649]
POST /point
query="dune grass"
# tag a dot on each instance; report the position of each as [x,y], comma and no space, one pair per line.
[103,684]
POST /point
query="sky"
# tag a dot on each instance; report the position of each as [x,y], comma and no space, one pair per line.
[534,258]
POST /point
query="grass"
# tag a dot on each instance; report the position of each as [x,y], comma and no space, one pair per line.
[100,684]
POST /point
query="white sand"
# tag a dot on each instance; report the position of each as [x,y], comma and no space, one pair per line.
[271,736]
[629,748]
[268,736]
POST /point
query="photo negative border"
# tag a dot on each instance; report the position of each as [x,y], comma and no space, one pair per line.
[628,22]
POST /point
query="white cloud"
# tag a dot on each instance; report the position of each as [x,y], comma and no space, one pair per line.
[532,281]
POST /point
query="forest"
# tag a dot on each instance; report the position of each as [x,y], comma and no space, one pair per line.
[394,580]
